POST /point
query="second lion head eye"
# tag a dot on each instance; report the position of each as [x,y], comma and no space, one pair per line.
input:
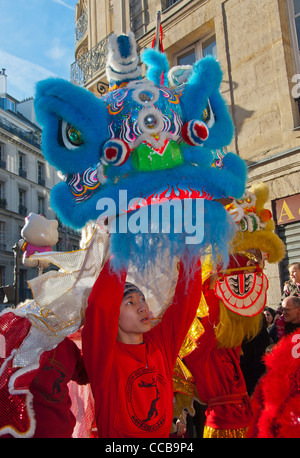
[208,115]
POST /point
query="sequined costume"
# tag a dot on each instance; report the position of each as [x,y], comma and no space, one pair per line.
[34,400]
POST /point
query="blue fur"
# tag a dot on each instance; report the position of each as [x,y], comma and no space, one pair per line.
[99,120]
[124,46]
[204,80]
[219,230]
[157,65]
[228,181]
[57,98]
[204,83]
[197,154]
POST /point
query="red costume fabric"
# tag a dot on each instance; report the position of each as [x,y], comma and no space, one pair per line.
[16,413]
[34,400]
[51,400]
[132,384]
[218,377]
[276,399]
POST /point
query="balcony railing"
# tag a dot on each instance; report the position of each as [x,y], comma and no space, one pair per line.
[81,27]
[89,63]
[31,137]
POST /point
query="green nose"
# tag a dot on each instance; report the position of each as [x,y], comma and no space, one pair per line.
[145,158]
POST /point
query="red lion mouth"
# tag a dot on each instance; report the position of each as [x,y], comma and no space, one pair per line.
[168,194]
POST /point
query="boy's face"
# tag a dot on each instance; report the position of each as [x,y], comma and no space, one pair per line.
[294,274]
[134,316]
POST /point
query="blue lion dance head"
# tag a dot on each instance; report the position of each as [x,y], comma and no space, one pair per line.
[153,140]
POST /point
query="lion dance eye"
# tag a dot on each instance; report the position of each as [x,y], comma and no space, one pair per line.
[74,136]
[205,114]
[71,136]
[208,115]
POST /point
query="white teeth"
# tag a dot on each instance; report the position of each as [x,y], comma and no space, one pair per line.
[232,300]
[227,294]
[247,302]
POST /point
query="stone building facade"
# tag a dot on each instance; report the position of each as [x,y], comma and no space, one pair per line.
[256,44]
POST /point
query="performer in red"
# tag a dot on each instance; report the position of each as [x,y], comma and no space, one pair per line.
[218,377]
[130,366]
[234,301]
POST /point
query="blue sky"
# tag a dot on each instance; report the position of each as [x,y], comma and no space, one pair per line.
[37,40]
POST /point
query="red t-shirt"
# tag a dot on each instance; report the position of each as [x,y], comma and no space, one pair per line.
[132,384]
[217,373]
[51,400]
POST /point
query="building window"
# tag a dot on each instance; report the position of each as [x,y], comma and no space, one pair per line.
[2,195]
[188,57]
[296,5]
[2,276]
[202,48]
[41,205]
[22,165]
[294,19]
[209,47]
[41,173]
[2,156]
[167,3]
[2,236]
[10,105]
[22,202]
[7,104]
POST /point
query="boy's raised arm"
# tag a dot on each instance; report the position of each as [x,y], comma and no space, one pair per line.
[100,330]
[179,316]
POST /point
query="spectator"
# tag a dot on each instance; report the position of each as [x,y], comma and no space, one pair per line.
[292,286]
[289,320]
[270,315]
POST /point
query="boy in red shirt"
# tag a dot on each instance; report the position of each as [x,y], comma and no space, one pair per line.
[129,365]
